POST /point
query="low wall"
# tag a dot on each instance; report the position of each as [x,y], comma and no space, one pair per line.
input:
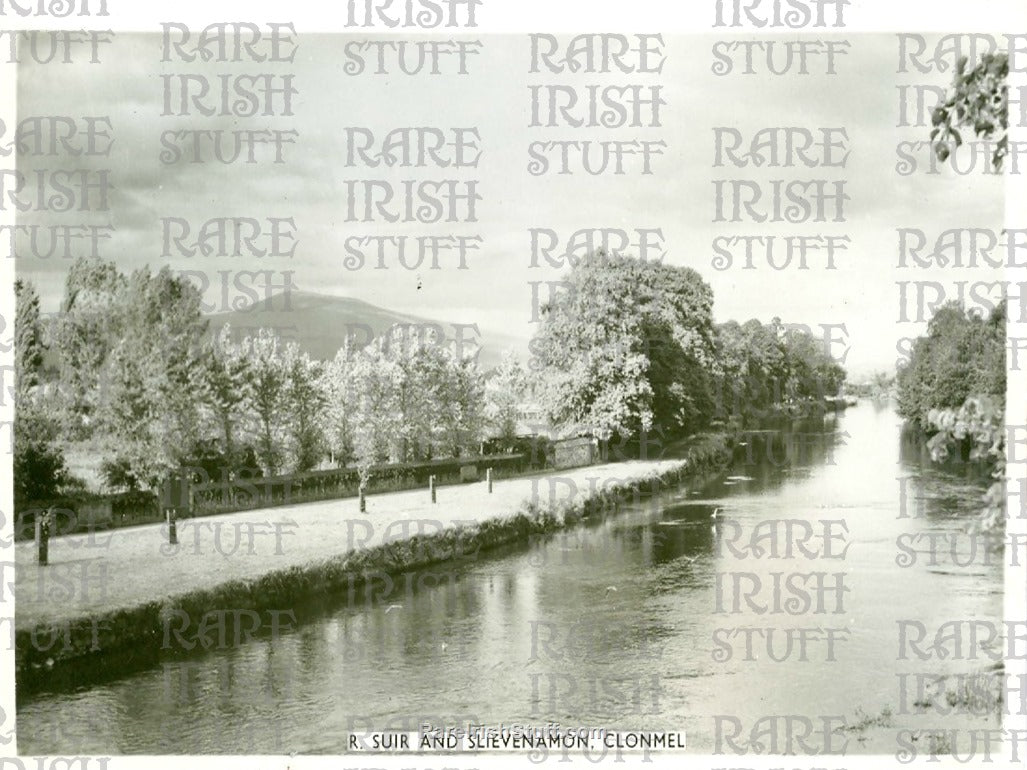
[97,512]
[574,452]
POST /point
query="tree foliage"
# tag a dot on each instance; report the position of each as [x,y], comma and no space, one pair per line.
[408,399]
[39,466]
[150,415]
[766,367]
[84,333]
[305,403]
[630,347]
[953,387]
[226,389]
[961,355]
[979,100]
[505,391]
[626,348]
[28,344]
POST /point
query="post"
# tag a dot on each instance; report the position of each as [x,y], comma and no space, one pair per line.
[43,538]
[431,486]
[172,517]
[488,478]
[363,502]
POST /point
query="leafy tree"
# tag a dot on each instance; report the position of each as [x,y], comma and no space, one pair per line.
[150,416]
[505,390]
[268,390]
[28,339]
[751,369]
[761,367]
[954,387]
[226,392]
[882,382]
[408,399]
[376,415]
[90,324]
[305,406]
[812,373]
[460,398]
[961,355]
[418,388]
[979,99]
[626,347]
[340,405]
[39,466]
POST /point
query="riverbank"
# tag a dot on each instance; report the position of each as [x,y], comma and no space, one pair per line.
[113,591]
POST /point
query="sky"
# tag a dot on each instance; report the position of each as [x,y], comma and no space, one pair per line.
[495,291]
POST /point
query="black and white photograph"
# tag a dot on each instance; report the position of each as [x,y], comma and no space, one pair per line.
[449,384]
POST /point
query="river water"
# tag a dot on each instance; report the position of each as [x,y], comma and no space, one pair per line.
[631,620]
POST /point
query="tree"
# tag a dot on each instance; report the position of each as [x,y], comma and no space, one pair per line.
[742,376]
[979,98]
[505,390]
[459,397]
[628,346]
[305,407]
[376,414]
[953,387]
[39,466]
[961,355]
[340,406]
[226,392]
[268,385]
[151,417]
[84,333]
[812,374]
[28,339]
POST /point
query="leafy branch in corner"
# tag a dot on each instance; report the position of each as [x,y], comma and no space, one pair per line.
[979,99]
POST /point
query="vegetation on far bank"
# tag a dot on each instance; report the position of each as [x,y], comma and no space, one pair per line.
[953,387]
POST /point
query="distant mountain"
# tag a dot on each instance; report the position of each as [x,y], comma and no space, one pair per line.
[320,324]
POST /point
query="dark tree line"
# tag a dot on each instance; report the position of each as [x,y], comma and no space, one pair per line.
[954,388]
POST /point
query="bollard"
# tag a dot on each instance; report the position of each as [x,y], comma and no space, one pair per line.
[43,539]
[488,478]
[363,502]
[431,486]
[172,526]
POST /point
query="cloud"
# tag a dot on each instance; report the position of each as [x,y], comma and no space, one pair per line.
[311,185]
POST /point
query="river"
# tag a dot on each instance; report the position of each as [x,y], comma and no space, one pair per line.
[612,623]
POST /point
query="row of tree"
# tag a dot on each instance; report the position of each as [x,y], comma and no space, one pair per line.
[629,347]
[128,366]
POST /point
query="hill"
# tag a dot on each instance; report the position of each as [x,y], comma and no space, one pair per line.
[320,324]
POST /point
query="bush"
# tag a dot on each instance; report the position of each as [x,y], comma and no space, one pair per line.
[39,467]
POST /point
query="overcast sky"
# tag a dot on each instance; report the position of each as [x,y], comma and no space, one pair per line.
[494,292]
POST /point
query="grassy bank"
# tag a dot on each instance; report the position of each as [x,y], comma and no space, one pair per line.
[135,616]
